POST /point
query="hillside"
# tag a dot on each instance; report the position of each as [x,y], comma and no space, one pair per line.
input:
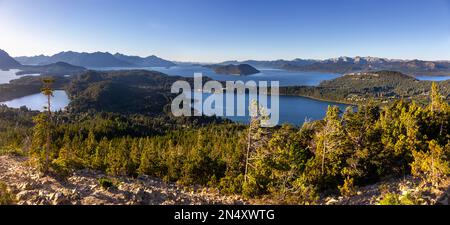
[27,85]
[134,91]
[84,187]
[54,69]
[382,86]
[7,62]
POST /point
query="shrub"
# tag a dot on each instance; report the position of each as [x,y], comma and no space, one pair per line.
[61,167]
[407,198]
[389,199]
[231,185]
[6,197]
[105,183]
[432,166]
[347,189]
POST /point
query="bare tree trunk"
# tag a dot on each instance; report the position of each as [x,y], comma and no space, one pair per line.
[323,156]
[47,152]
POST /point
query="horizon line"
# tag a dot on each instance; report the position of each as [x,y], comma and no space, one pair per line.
[238,60]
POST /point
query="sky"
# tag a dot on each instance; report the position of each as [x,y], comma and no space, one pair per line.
[219,30]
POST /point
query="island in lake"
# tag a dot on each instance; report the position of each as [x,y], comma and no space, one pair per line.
[238,70]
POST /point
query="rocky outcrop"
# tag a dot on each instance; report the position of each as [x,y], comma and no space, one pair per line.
[407,186]
[82,187]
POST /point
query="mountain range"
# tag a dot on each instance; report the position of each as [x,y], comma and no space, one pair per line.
[340,65]
[96,59]
[355,64]
[58,68]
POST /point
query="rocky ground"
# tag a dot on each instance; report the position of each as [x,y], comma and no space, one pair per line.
[83,187]
[31,188]
[407,186]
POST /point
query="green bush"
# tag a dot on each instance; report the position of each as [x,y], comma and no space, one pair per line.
[348,188]
[231,185]
[390,199]
[397,199]
[6,197]
[61,167]
[105,183]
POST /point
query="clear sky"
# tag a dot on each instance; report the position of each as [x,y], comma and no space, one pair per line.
[217,30]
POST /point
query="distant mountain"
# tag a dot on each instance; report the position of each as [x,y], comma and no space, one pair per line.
[241,69]
[96,59]
[7,62]
[150,61]
[366,64]
[33,60]
[355,64]
[55,69]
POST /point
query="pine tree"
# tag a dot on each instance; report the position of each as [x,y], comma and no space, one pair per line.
[256,136]
[48,91]
[330,140]
[433,165]
[436,98]
[43,127]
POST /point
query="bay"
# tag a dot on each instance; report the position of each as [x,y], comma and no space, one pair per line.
[37,101]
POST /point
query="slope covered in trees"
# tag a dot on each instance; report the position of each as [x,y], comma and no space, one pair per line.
[381,86]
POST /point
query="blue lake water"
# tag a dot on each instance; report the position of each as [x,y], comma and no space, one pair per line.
[37,101]
[286,78]
[292,109]
[7,76]
[433,78]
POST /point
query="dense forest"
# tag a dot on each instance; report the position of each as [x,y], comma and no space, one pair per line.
[357,147]
[381,86]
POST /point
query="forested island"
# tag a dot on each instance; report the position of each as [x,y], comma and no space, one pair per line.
[238,70]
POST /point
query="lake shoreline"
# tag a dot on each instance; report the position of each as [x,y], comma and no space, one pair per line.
[322,99]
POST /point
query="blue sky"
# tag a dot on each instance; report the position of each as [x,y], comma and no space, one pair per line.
[217,30]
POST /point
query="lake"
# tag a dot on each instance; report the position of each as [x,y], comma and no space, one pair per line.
[433,78]
[292,109]
[286,78]
[7,76]
[37,101]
